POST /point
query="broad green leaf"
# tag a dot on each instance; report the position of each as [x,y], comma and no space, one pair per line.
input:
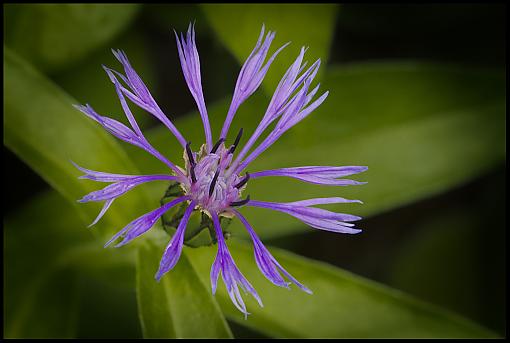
[310,25]
[343,305]
[53,36]
[180,305]
[46,132]
[407,122]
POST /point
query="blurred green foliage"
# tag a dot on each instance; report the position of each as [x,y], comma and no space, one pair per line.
[305,23]
[36,129]
[54,36]
[422,128]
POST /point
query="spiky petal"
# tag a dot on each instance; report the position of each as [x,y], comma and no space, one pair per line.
[251,75]
[315,217]
[174,248]
[143,224]
[230,273]
[282,104]
[321,175]
[139,94]
[190,63]
[266,262]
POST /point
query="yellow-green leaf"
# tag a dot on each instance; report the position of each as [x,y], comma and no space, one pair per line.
[180,305]
[343,305]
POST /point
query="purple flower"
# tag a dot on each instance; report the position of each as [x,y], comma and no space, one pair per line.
[212,180]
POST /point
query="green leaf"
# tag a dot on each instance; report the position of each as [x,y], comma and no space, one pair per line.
[53,36]
[311,25]
[343,305]
[48,255]
[420,128]
[46,132]
[180,305]
[333,288]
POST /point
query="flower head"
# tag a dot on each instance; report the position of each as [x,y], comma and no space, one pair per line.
[213,180]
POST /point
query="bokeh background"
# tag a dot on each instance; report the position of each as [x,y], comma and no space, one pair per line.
[417,93]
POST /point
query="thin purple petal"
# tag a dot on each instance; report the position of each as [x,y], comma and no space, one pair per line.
[304,211]
[113,126]
[279,101]
[110,177]
[319,171]
[294,114]
[174,248]
[119,188]
[190,64]
[290,111]
[142,224]
[135,82]
[328,224]
[319,178]
[105,208]
[231,275]
[315,217]
[215,272]
[251,76]
[306,111]
[124,133]
[101,176]
[322,201]
[266,262]
[140,94]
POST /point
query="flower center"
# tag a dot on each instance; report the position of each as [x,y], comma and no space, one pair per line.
[210,187]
